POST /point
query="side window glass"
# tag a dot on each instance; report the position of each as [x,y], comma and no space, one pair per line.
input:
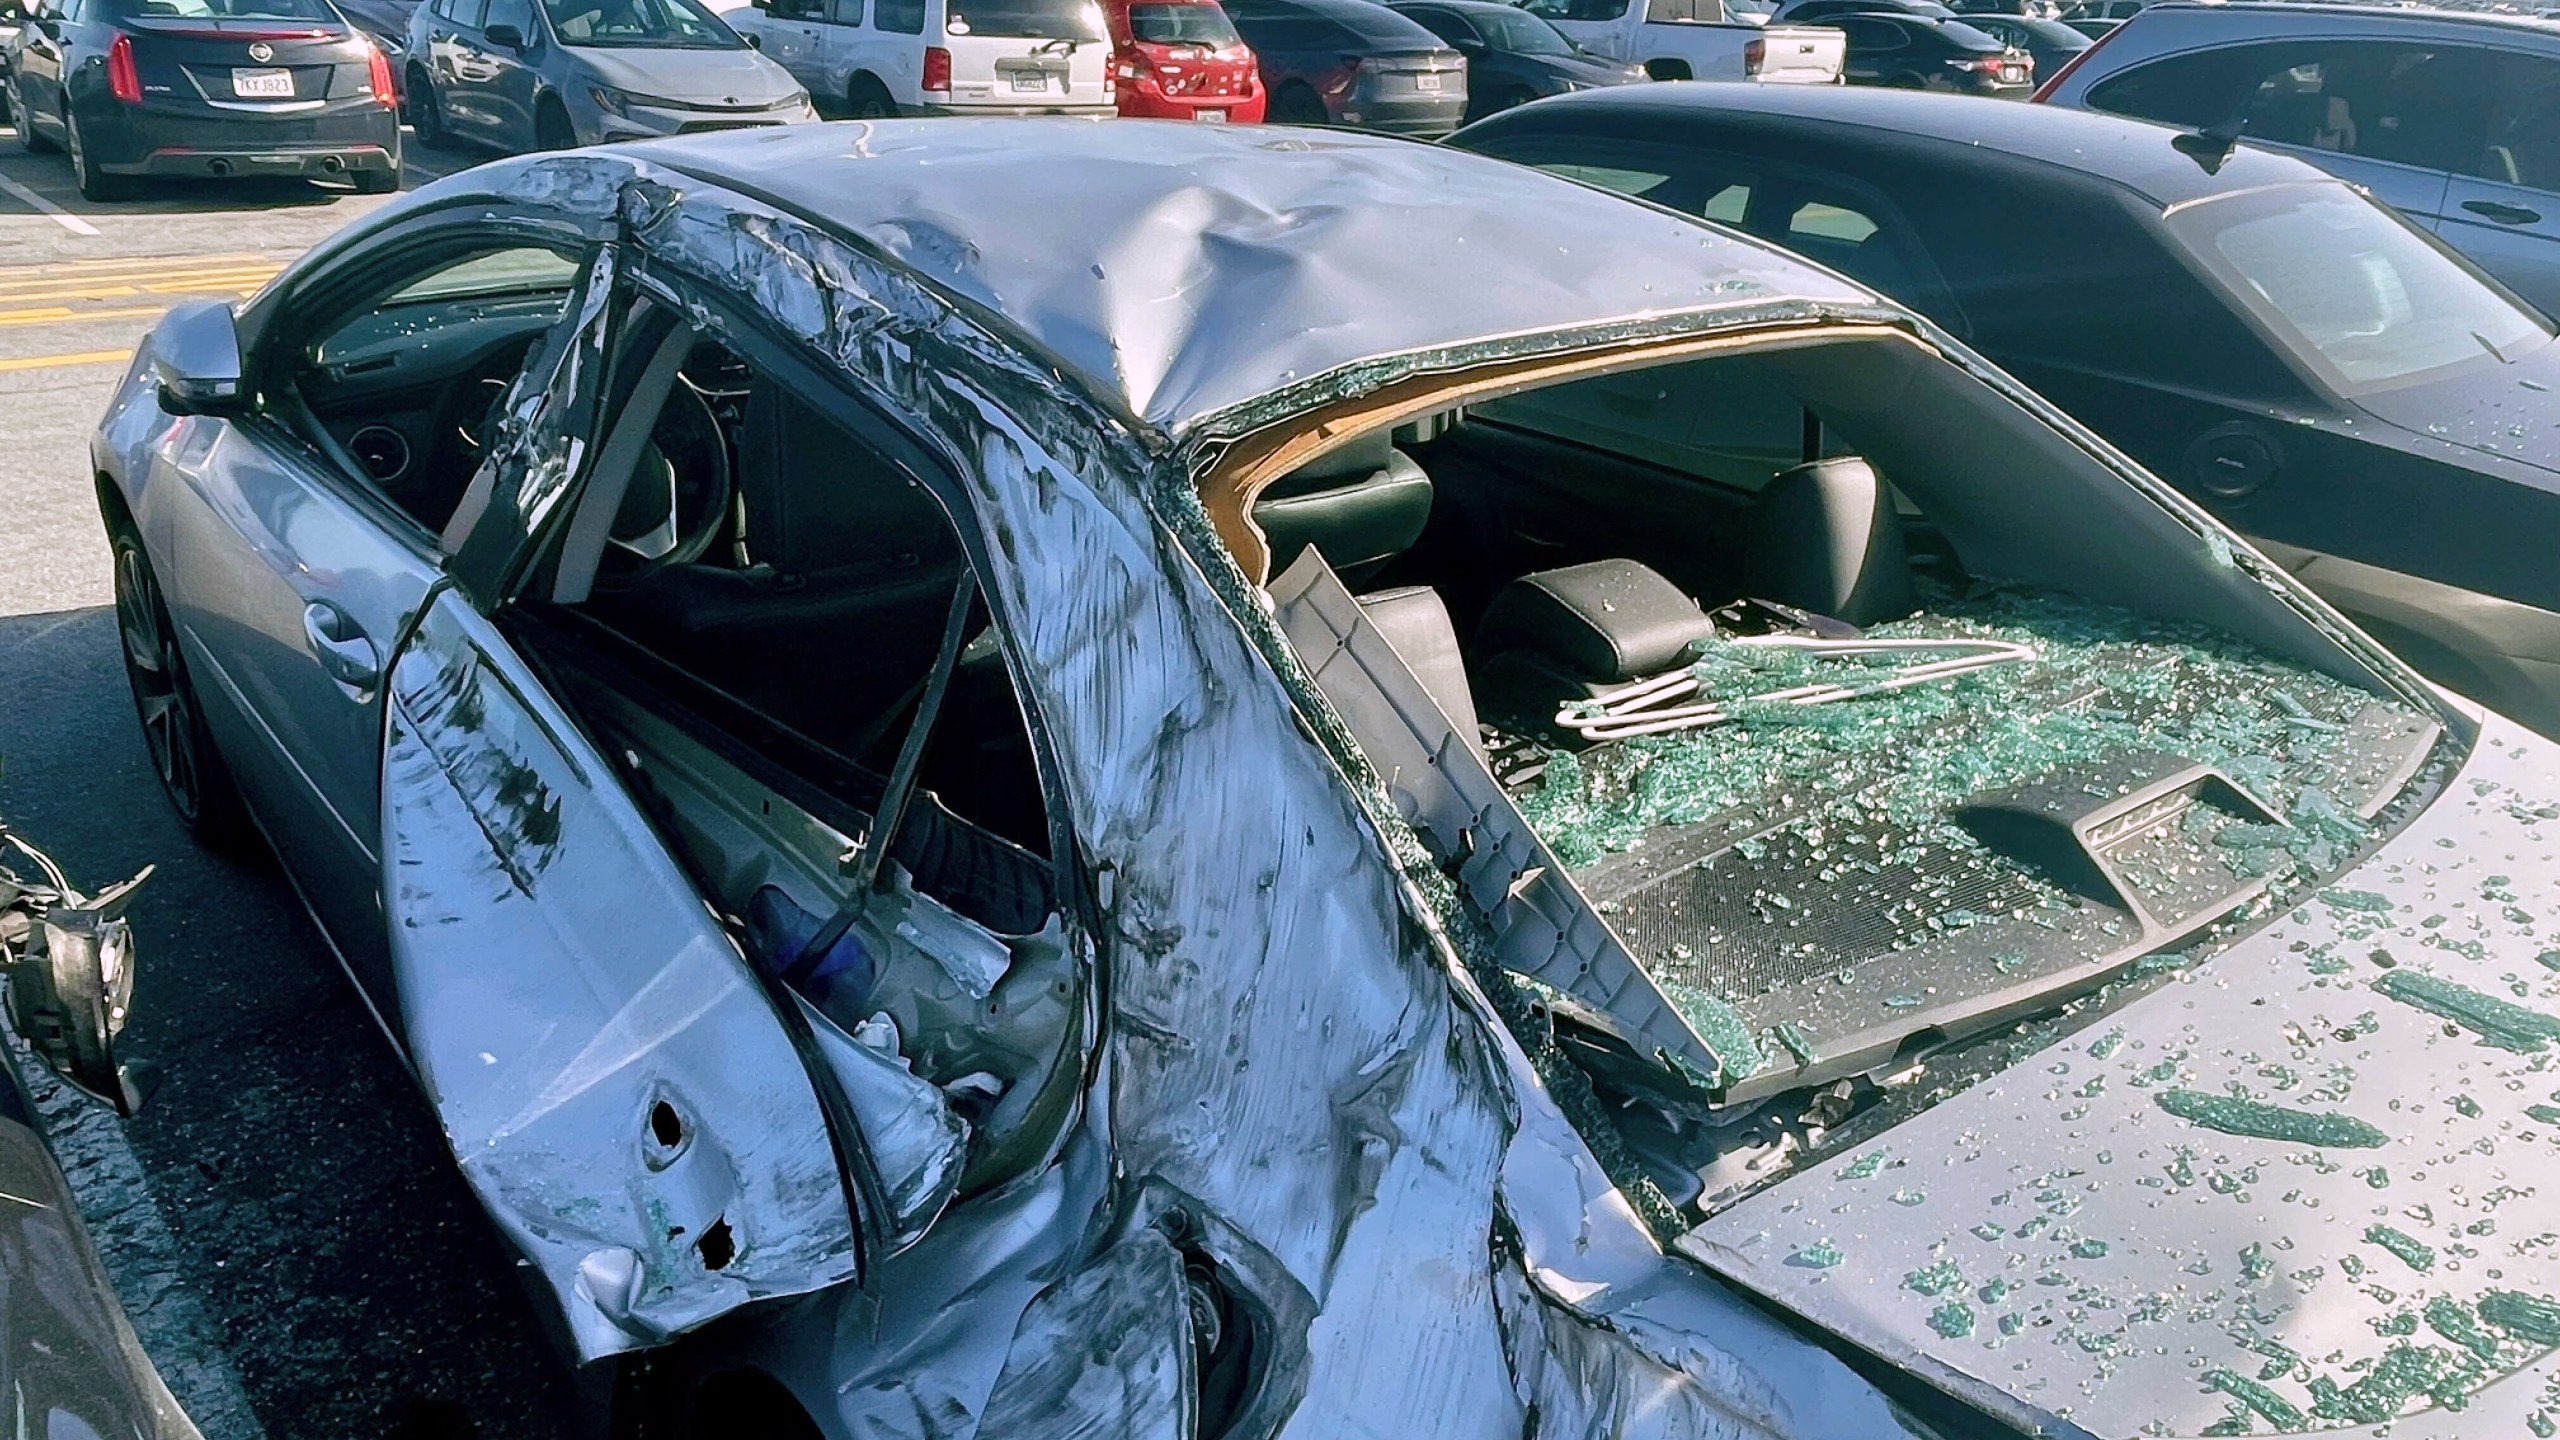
[898,17]
[466,13]
[2419,105]
[518,13]
[1871,36]
[406,386]
[844,12]
[2523,145]
[1584,10]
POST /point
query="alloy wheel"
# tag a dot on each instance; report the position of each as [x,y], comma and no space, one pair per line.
[170,730]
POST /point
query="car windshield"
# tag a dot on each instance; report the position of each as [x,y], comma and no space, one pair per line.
[316,10]
[1518,32]
[1184,24]
[2352,291]
[639,25]
[1027,19]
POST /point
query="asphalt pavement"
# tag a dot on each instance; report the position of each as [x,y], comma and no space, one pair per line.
[297,1251]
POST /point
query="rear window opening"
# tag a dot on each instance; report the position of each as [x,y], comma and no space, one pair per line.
[1866,740]
[1078,20]
[1191,23]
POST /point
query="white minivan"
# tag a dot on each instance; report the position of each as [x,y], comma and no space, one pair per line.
[870,58]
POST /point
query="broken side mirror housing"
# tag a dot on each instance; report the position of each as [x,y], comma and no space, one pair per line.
[68,963]
[195,359]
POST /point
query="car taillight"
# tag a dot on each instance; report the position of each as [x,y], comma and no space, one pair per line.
[937,68]
[122,80]
[1754,51]
[2055,81]
[377,73]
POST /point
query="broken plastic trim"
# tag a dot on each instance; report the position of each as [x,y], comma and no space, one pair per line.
[1645,707]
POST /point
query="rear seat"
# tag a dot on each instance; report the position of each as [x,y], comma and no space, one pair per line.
[1360,507]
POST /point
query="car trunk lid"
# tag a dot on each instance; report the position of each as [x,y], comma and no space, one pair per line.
[2294,1187]
[240,62]
[1027,52]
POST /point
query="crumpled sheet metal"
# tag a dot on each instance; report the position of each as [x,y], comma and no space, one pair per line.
[500,844]
[1287,1043]
[1214,264]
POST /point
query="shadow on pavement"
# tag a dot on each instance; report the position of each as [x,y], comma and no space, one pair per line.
[317,1222]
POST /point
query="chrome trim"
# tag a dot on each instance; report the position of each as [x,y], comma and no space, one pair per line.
[267,107]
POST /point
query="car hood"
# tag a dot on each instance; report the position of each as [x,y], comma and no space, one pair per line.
[2506,410]
[2302,1185]
[695,77]
[1587,69]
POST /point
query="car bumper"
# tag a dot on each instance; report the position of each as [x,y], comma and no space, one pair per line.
[1432,117]
[649,122]
[995,107]
[131,140]
[1155,105]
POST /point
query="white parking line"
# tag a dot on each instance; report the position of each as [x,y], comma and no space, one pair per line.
[48,209]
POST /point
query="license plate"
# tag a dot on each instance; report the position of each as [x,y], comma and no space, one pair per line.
[2011,74]
[1210,117]
[1030,80]
[262,84]
[1426,82]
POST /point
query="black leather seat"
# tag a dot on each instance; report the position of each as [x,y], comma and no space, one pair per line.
[1580,631]
[1825,537]
[1360,506]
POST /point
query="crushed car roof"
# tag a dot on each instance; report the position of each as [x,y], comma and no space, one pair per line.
[1180,269]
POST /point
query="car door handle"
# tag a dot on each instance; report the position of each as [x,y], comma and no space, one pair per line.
[2504,214]
[345,654]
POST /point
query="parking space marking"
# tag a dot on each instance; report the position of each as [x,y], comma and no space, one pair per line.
[47,208]
[65,315]
[64,362]
[153,264]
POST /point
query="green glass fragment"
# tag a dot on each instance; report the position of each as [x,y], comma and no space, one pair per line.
[1864,1166]
[2501,1023]
[2455,1322]
[2236,1115]
[1941,1278]
[2089,1249]
[2529,1318]
[1953,1320]
[2277,1410]
[1820,1255]
[2413,1252]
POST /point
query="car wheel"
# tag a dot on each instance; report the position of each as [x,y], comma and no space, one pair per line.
[95,184]
[866,99]
[551,127]
[426,111]
[191,772]
[1297,105]
[28,138]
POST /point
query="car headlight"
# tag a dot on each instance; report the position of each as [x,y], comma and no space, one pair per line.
[611,102]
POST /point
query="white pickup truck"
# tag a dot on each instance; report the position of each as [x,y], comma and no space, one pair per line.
[1698,40]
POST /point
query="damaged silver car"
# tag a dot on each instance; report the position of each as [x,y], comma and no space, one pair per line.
[1013,778]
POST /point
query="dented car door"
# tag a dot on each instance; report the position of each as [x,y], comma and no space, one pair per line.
[613,1079]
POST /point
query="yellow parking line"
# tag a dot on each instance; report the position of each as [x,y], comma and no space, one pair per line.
[158,264]
[65,315]
[211,282]
[56,362]
[242,281]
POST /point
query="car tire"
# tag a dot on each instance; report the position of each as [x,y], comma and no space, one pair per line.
[426,111]
[552,128]
[28,139]
[190,769]
[868,99]
[1297,105]
[95,184]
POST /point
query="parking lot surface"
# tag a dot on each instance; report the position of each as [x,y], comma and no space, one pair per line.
[296,1254]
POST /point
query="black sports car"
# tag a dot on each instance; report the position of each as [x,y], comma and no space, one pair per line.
[2369,408]
[138,89]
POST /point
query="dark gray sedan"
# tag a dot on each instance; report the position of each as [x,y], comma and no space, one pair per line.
[1288,804]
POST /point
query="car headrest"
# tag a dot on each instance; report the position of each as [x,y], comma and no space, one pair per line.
[1605,622]
[1359,506]
[1825,537]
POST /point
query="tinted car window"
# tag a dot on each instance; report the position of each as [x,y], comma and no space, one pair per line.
[1576,9]
[518,13]
[1873,35]
[2422,105]
[1181,25]
[2524,128]
[639,24]
[1677,179]
[1517,32]
[220,10]
[1026,19]
[899,17]
[844,12]
[2358,295]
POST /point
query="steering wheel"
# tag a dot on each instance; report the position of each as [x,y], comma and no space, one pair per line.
[681,487]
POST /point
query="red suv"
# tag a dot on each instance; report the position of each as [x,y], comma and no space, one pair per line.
[1181,60]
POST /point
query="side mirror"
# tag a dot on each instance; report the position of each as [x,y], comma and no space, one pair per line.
[69,964]
[754,41]
[195,358]
[505,36]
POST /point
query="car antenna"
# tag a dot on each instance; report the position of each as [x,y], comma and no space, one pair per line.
[2211,146]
